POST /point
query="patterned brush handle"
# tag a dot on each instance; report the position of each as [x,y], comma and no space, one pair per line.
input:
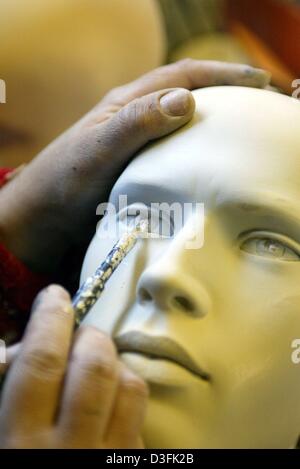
[91,290]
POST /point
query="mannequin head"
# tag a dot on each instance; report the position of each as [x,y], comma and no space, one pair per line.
[233,304]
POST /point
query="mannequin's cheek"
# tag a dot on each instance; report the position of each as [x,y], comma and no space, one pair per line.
[255,343]
[284,330]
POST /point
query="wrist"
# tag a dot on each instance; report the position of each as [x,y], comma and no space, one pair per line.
[24,232]
[11,237]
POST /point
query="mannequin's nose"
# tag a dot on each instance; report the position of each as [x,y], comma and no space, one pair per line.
[172,290]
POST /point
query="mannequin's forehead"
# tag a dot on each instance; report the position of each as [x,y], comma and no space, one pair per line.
[240,137]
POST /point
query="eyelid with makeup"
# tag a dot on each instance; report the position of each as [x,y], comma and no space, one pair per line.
[142,211]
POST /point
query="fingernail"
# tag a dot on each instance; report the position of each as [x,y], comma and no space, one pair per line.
[263,76]
[177,102]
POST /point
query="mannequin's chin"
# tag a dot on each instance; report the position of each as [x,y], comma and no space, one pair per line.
[161,432]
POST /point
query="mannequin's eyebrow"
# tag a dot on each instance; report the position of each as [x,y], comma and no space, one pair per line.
[149,192]
[267,206]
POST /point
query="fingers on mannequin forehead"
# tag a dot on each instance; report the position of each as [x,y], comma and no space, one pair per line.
[189,74]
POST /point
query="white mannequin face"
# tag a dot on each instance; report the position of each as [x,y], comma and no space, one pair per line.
[238,311]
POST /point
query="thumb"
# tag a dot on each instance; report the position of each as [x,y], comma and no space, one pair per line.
[145,119]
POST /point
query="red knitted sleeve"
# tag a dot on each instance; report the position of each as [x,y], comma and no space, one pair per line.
[4,172]
[18,286]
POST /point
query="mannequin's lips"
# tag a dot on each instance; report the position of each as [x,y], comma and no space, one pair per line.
[159,347]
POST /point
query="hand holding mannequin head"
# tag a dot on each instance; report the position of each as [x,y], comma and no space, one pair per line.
[233,305]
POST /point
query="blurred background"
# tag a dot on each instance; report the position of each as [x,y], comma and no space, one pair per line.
[59,57]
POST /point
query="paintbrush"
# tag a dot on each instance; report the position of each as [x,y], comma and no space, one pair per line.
[92,288]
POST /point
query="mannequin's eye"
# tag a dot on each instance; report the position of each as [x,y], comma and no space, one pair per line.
[271,248]
[159,224]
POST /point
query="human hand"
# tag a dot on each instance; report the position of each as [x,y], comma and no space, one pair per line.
[68,392]
[50,207]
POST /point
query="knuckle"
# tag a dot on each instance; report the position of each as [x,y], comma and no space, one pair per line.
[96,368]
[129,115]
[97,338]
[131,119]
[113,95]
[97,357]
[134,385]
[142,116]
[43,360]
[183,63]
